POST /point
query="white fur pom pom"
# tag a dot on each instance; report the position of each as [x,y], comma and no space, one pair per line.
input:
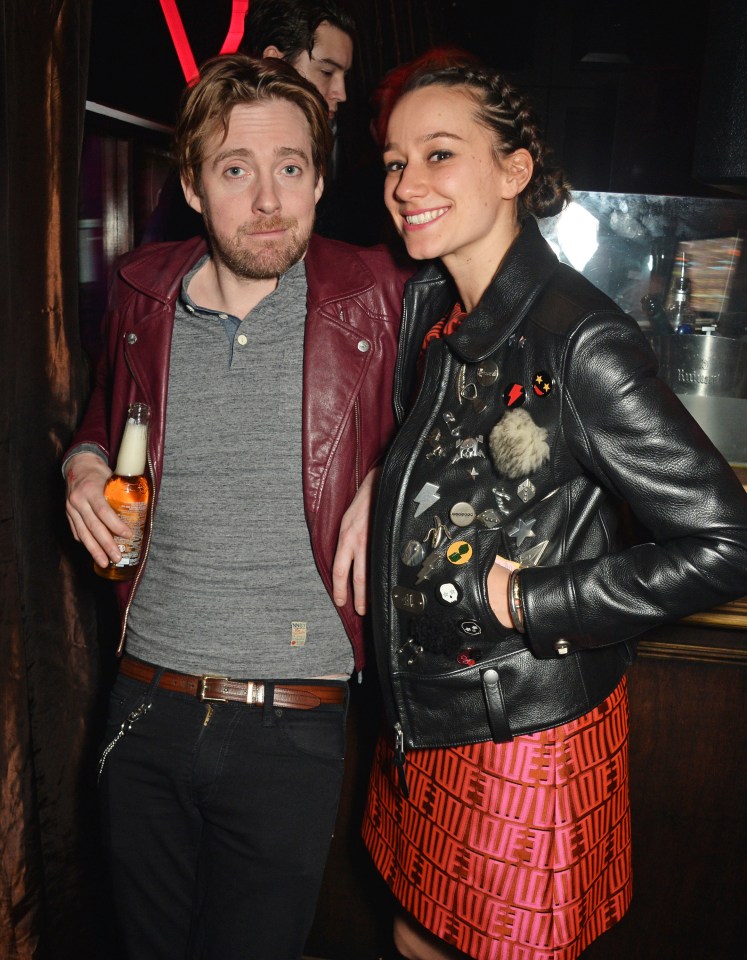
[518,445]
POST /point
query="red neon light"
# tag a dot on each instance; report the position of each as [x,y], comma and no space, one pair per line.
[236,27]
[182,45]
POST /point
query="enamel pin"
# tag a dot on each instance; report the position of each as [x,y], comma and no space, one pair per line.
[514,395]
[542,383]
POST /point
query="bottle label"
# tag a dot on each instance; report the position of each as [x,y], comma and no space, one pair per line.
[134,515]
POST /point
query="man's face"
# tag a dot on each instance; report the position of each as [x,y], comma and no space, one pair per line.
[258,189]
[330,60]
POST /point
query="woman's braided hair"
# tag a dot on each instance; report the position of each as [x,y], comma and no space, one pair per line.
[507,114]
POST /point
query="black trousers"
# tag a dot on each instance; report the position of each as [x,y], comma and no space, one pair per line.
[218,819]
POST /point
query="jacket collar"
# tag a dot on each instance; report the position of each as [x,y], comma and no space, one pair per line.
[333,274]
[526,268]
[157,270]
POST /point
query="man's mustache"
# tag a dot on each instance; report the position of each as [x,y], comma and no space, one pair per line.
[265,225]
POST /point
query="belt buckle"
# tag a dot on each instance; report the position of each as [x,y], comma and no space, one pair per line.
[201,692]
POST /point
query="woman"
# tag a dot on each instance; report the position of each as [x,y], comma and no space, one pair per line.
[505,595]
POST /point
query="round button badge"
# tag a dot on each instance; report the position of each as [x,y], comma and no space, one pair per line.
[542,383]
[459,552]
[462,514]
[448,594]
[487,372]
[514,395]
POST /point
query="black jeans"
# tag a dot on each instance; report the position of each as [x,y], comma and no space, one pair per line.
[218,819]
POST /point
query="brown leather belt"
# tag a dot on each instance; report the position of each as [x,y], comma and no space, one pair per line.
[294,696]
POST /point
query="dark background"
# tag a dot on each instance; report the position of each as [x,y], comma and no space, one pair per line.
[636,97]
[617,86]
[619,89]
[666,92]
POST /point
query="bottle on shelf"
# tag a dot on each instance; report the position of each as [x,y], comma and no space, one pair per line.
[658,319]
[128,492]
[682,317]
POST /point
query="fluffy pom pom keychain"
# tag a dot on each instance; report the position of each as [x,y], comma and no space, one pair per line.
[518,445]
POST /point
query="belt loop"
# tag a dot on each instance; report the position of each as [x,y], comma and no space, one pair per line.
[152,687]
[268,711]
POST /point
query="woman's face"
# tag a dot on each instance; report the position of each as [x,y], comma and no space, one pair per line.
[448,194]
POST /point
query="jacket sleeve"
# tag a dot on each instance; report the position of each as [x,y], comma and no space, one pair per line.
[93,430]
[627,428]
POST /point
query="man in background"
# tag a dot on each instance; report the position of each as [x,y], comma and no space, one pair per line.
[316,37]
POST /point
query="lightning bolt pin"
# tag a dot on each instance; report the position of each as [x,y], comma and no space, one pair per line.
[427,497]
[514,395]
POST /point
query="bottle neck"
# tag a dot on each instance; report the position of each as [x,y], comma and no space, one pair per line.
[133,450]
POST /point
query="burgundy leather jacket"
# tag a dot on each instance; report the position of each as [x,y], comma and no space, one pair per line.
[354,307]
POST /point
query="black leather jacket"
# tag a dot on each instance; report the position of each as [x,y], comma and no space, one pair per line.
[617,444]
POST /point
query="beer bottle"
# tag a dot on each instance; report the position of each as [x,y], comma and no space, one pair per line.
[128,493]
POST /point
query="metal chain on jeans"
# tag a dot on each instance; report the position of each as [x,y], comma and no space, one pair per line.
[125,728]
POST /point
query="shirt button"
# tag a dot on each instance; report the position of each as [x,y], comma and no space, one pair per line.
[364,346]
[223,316]
[189,307]
[242,338]
[562,647]
[131,338]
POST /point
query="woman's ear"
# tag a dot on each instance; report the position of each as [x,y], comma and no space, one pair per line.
[272,51]
[517,172]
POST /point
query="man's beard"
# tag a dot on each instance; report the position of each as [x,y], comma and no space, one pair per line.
[267,259]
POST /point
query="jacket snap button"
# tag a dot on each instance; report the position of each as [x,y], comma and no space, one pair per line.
[562,647]
[131,338]
[364,346]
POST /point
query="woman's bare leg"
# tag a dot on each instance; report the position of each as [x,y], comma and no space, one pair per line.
[414,942]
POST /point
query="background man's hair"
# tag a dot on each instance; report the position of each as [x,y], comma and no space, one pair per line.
[290,25]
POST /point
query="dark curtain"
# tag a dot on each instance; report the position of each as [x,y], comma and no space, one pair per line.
[48,656]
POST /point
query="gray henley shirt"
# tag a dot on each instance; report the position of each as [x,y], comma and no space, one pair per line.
[230,586]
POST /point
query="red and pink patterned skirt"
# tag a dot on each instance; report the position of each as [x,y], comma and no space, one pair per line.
[511,851]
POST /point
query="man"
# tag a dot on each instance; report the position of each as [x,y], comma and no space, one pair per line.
[314,36]
[266,357]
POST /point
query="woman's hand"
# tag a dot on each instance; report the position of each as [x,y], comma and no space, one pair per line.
[498,590]
[352,545]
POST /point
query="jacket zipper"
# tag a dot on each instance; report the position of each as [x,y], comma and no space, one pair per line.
[400,759]
[357,412]
[399,736]
[139,574]
[400,363]
[414,444]
[357,416]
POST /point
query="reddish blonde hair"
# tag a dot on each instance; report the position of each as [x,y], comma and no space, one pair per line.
[229,80]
